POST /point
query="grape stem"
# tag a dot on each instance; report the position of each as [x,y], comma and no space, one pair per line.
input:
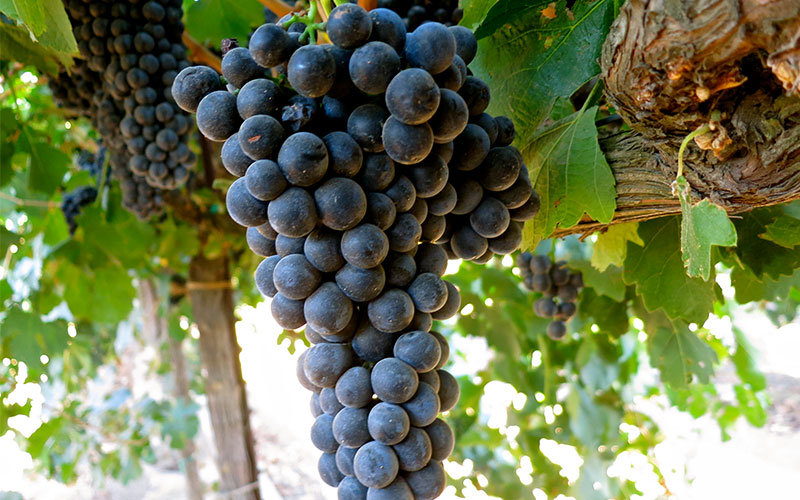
[311,26]
[702,129]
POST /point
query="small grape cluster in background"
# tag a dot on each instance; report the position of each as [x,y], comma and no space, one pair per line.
[559,286]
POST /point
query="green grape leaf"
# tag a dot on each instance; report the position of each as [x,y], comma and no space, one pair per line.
[608,282]
[48,35]
[29,337]
[475,12]
[31,13]
[571,176]
[18,46]
[46,164]
[784,231]
[657,271]
[611,246]
[504,11]
[744,360]
[764,257]
[210,21]
[530,60]
[609,315]
[703,224]
[680,354]
[750,288]
[5,291]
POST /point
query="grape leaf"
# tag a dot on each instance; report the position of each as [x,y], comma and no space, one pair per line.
[18,46]
[764,257]
[212,20]
[657,271]
[29,337]
[46,164]
[531,60]
[750,288]
[784,231]
[703,224]
[48,35]
[680,354]
[608,282]
[31,13]
[475,12]
[611,246]
[504,10]
[571,176]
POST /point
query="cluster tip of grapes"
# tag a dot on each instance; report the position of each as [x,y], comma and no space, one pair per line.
[361,167]
[130,54]
[559,287]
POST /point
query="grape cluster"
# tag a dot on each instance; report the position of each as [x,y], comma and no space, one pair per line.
[92,162]
[74,201]
[131,53]
[356,182]
[559,286]
[416,12]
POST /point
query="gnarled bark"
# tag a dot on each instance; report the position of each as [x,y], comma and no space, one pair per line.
[667,67]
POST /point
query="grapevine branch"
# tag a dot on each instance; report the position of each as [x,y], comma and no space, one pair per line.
[198,53]
[28,203]
[743,63]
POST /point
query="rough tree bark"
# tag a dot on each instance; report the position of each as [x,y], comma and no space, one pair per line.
[667,65]
[155,330]
[212,307]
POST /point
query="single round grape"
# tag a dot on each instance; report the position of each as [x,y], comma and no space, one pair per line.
[423,408]
[427,483]
[348,26]
[371,344]
[373,66]
[344,461]
[405,233]
[509,241]
[394,381]
[429,176]
[451,117]
[400,269]
[505,131]
[388,423]
[442,439]
[322,434]
[528,210]
[361,285]
[303,159]
[287,313]
[365,246]
[430,47]
[490,218]
[261,246]
[454,76]
[284,245]
[270,45]
[488,124]
[380,210]
[354,387]
[217,116]
[431,378]
[431,258]
[351,488]
[375,465]
[433,228]
[192,84]
[343,335]
[398,490]
[476,94]
[316,409]
[328,402]
[407,144]
[328,471]
[443,150]
[264,180]
[451,306]
[328,310]
[295,277]
[428,292]
[311,70]
[293,213]
[233,158]
[325,363]
[377,173]
[263,276]
[365,125]
[566,310]
[470,148]
[301,374]
[556,330]
[341,203]
[350,427]
[516,195]
[418,349]
[466,44]
[414,452]
[500,169]
[449,391]
[243,208]
[443,202]
[258,97]
[321,248]
[467,244]
[344,154]
[238,67]
[388,27]
[412,96]
[402,193]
